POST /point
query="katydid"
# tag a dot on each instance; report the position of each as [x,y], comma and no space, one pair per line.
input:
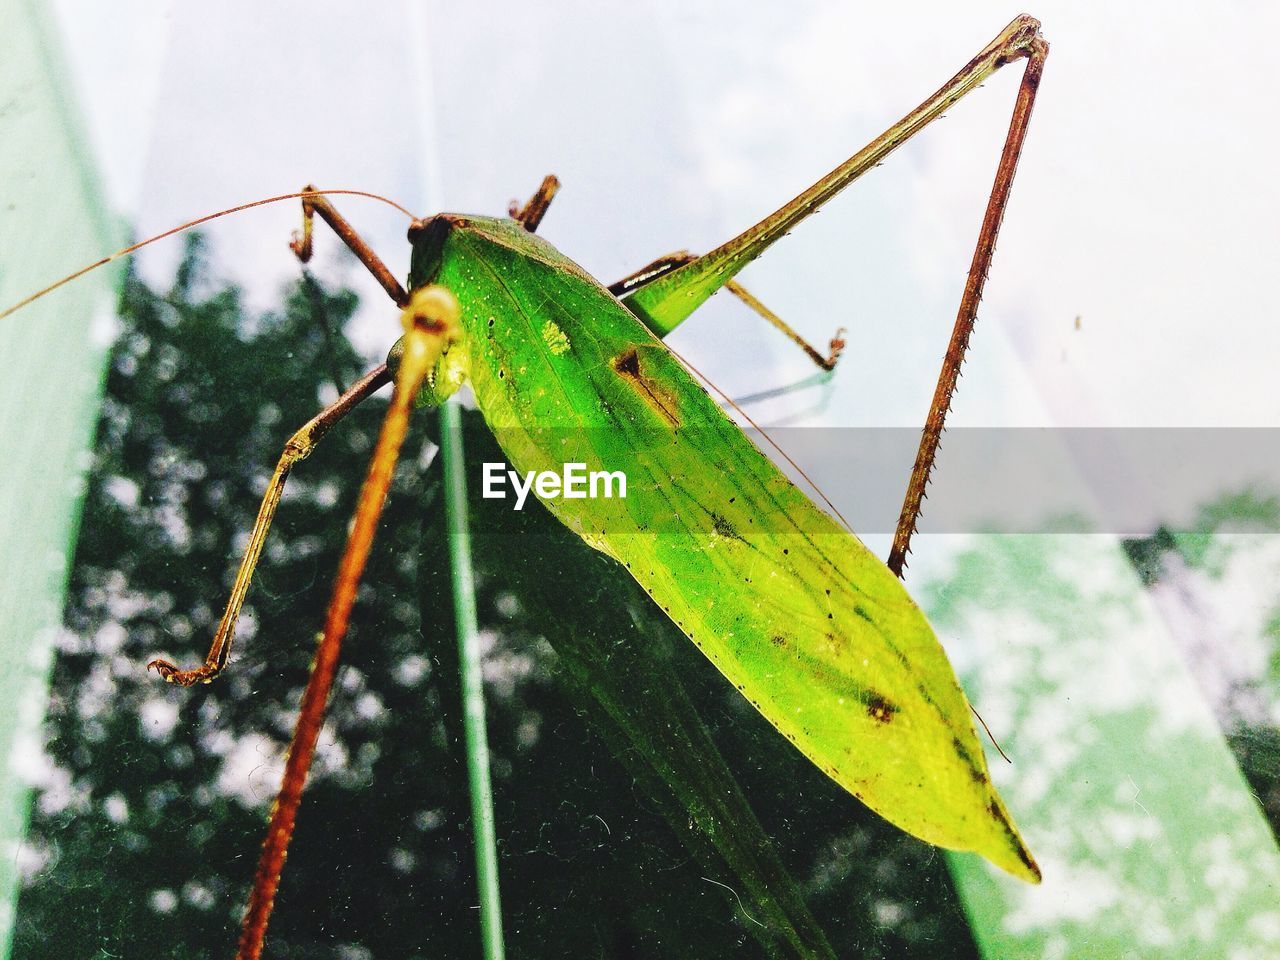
[819,635]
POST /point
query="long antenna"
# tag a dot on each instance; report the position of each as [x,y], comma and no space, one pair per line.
[301,194]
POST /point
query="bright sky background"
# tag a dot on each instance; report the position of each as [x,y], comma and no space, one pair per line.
[1145,203]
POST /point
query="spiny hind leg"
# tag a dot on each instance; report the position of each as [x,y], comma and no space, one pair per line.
[949,375]
[298,448]
[665,264]
[666,295]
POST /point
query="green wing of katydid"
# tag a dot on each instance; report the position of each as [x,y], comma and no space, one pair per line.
[812,628]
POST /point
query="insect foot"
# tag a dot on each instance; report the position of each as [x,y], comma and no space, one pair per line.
[183,678]
[835,348]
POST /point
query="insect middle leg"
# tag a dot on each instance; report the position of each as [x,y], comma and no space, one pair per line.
[530,215]
[431,323]
[665,264]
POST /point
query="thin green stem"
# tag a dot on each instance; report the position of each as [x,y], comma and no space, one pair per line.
[476,738]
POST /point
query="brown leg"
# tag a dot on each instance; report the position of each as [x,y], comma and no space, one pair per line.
[430,322]
[530,215]
[301,243]
[968,311]
[298,448]
[834,346]
[300,444]
[664,265]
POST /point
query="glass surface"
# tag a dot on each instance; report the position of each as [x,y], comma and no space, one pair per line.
[644,809]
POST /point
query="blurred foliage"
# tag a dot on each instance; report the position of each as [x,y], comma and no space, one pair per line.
[617,822]
[1152,842]
[1222,581]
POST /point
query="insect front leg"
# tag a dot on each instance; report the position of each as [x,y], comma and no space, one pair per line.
[299,447]
[665,264]
[313,203]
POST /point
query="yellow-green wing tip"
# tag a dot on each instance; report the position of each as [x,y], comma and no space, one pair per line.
[1006,849]
[1017,861]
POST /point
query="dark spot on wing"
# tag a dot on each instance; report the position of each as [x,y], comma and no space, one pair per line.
[655,394]
[628,364]
[723,527]
[993,808]
[962,752]
[880,709]
[1027,862]
[862,613]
